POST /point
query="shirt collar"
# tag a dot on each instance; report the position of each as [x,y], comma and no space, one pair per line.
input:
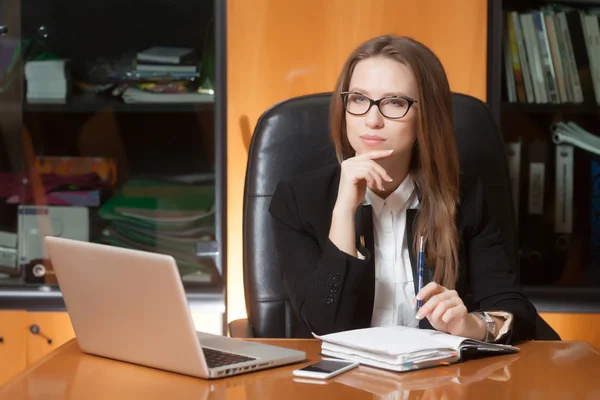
[396,200]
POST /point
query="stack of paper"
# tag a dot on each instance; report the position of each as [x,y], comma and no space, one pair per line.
[47,81]
[163,217]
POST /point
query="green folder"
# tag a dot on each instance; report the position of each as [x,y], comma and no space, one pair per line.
[160,205]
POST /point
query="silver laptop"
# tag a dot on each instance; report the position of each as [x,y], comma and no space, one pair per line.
[130,305]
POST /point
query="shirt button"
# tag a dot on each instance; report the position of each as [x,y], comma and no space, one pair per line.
[336,276]
[329,299]
[334,288]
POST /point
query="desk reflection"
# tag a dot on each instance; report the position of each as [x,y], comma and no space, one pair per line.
[433,383]
[101,378]
[542,370]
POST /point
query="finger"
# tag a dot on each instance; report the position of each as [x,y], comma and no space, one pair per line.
[431,304]
[429,290]
[366,177]
[364,172]
[454,314]
[374,155]
[443,306]
[377,178]
[380,170]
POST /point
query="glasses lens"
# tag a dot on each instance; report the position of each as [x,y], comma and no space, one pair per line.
[357,103]
[394,107]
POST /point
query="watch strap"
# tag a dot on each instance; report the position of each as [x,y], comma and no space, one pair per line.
[490,325]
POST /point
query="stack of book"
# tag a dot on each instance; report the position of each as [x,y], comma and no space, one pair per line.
[174,72]
[552,55]
[176,61]
[47,81]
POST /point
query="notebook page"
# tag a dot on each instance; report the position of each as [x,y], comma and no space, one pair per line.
[393,340]
[448,340]
[463,342]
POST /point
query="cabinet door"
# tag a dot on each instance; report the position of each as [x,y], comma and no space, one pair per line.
[13,344]
[45,332]
[11,113]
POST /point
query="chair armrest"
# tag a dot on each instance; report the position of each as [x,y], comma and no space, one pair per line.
[240,328]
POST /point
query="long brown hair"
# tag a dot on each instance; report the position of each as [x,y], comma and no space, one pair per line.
[434,162]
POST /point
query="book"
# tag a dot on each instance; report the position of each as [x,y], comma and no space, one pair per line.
[167,55]
[515,32]
[401,349]
[133,95]
[530,38]
[161,205]
[166,68]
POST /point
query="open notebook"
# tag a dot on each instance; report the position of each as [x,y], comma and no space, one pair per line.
[400,348]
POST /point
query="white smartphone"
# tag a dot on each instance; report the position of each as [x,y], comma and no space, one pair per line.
[325,368]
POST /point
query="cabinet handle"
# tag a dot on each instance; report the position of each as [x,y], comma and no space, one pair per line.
[3,30]
[1,340]
[35,329]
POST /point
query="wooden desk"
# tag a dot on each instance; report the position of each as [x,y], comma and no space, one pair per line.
[542,370]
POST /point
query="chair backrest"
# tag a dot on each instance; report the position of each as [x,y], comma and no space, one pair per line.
[292,137]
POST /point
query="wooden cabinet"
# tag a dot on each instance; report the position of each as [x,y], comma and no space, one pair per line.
[46,331]
[575,326]
[13,344]
[28,336]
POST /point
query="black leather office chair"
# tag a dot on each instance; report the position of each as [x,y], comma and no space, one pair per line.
[293,137]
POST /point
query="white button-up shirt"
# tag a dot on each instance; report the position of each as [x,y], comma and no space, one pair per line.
[394,282]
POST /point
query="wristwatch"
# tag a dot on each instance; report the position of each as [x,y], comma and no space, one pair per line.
[490,325]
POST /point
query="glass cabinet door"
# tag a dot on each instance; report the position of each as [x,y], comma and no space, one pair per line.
[113,121]
[11,115]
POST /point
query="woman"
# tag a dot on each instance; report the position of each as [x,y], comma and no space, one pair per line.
[346,235]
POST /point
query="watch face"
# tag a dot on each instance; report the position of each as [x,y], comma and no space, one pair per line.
[490,325]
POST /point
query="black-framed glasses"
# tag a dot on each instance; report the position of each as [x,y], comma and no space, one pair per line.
[392,107]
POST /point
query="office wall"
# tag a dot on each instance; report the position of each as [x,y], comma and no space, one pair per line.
[277,49]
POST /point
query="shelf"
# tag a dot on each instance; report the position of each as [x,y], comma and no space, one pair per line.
[591,109]
[15,295]
[519,4]
[564,299]
[86,103]
[574,2]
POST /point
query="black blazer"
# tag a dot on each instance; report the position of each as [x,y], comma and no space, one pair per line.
[332,291]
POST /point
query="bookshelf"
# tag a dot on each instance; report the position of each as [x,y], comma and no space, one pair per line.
[170,147]
[585,109]
[565,280]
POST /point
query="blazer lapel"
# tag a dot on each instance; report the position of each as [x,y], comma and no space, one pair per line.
[363,226]
[411,214]
[363,222]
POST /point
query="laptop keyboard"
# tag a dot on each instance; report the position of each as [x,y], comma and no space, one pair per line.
[217,358]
